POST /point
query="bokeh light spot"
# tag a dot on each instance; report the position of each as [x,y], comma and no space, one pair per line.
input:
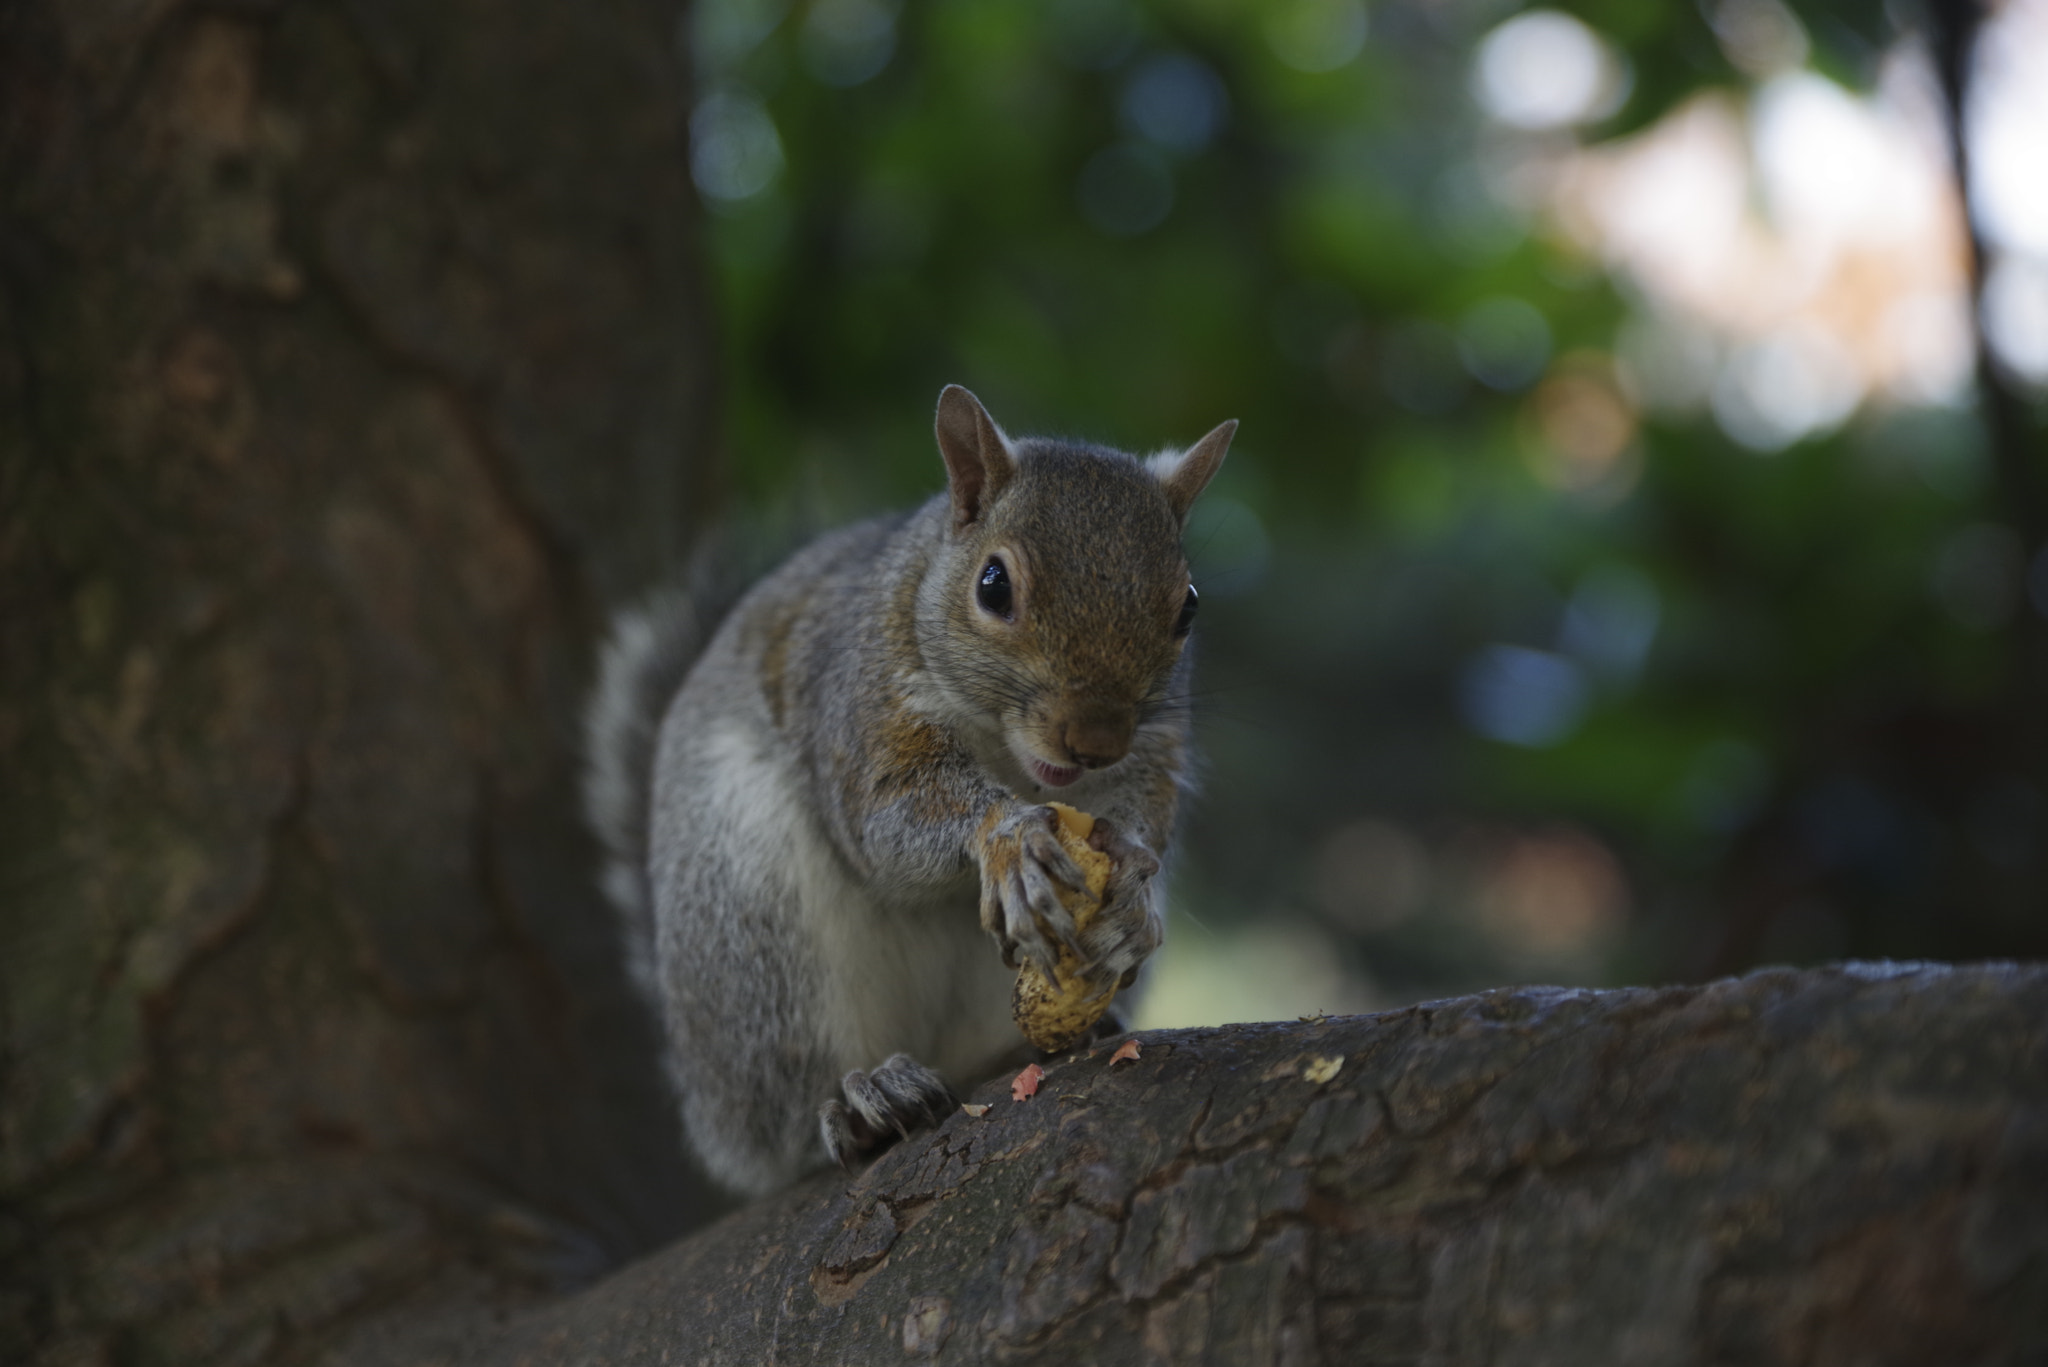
[1795,384]
[1791,258]
[2008,125]
[1665,361]
[1584,429]
[721,32]
[1760,38]
[1545,69]
[1504,343]
[848,42]
[1522,696]
[1316,35]
[2016,314]
[735,152]
[1611,622]
[1175,101]
[1552,894]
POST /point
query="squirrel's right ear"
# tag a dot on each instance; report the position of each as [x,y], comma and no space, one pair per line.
[1184,479]
[978,458]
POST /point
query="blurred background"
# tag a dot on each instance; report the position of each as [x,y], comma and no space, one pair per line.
[1630,567]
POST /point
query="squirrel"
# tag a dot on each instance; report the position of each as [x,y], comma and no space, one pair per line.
[805,807]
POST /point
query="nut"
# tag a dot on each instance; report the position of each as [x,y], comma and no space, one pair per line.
[1054,1014]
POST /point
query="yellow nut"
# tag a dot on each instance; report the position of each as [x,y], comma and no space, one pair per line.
[1054,1014]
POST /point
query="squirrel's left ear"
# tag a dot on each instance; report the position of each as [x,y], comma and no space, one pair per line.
[978,458]
[1188,476]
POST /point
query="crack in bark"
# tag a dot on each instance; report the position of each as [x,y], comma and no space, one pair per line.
[287,820]
[1490,1246]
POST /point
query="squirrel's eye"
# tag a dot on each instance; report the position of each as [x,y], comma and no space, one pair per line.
[1187,612]
[992,590]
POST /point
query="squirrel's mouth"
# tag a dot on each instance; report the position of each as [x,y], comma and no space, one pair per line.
[1052,775]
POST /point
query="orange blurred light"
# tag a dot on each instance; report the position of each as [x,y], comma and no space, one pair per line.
[1584,428]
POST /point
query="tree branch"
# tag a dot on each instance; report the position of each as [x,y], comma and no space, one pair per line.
[1846,1164]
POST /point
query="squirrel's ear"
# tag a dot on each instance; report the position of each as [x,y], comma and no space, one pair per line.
[1185,478]
[978,458]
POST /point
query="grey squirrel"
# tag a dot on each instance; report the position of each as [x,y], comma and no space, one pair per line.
[805,808]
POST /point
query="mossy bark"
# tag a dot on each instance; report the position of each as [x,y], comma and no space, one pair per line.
[352,355]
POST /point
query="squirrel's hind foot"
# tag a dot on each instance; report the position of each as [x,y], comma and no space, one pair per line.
[882,1106]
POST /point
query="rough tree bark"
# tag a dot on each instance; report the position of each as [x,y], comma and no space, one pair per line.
[1840,1166]
[351,354]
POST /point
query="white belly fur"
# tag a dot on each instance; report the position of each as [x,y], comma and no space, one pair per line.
[918,977]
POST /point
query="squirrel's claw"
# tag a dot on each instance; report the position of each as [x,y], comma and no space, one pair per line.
[1022,935]
[1134,863]
[1043,847]
[1023,868]
[1043,898]
[1024,871]
[845,1137]
[1129,927]
[836,1127]
[881,1106]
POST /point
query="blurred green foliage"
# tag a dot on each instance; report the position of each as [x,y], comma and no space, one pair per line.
[1129,221]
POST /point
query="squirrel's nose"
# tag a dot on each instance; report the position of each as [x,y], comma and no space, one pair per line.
[1096,742]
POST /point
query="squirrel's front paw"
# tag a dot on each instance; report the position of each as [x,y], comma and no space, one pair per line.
[1127,929]
[1023,869]
[882,1106]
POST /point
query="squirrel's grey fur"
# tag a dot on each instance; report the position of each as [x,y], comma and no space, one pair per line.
[804,809]
[642,663]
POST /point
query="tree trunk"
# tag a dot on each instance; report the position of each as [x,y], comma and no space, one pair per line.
[1838,1166]
[351,355]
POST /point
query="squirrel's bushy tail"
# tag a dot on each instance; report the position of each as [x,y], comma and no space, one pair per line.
[649,649]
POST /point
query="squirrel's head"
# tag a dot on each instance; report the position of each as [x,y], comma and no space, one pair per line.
[1063,598]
